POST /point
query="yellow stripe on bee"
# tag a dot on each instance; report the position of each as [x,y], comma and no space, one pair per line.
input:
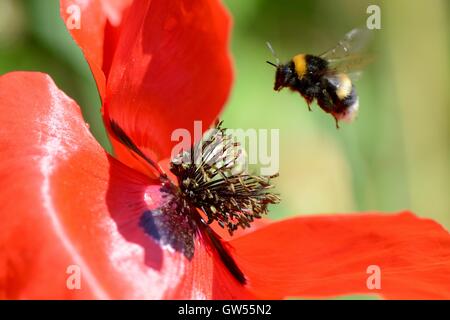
[300,65]
[345,86]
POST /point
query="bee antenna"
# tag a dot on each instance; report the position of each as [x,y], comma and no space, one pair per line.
[272,64]
[273,53]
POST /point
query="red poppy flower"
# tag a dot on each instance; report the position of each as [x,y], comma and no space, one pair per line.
[160,65]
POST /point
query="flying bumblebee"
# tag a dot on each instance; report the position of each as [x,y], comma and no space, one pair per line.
[328,77]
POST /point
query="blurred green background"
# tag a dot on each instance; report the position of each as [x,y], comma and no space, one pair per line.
[394,156]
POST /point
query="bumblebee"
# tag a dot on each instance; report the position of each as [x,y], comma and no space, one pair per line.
[327,78]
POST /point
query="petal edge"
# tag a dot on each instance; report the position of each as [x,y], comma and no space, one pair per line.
[331,254]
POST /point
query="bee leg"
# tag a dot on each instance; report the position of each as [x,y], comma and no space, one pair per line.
[308,100]
[337,122]
[326,101]
[328,105]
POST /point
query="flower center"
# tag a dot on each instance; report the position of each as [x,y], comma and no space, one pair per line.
[211,177]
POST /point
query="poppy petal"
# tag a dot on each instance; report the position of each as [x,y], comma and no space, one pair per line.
[42,133]
[95,27]
[170,68]
[71,215]
[345,254]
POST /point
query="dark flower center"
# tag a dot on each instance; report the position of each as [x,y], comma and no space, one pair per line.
[211,178]
[171,223]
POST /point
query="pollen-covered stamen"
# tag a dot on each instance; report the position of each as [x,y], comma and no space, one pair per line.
[211,177]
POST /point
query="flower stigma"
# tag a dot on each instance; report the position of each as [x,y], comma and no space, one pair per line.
[212,177]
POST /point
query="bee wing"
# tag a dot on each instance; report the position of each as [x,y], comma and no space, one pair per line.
[352,65]
[355,75]
[334,78]
[347,56]
[352,43]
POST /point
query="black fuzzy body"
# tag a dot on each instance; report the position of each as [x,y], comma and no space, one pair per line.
[314,84]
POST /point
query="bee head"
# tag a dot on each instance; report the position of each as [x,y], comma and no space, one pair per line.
[285,73]
[283,76]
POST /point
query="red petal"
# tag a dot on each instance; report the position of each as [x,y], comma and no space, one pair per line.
[255,225]
[65,202]
[330,257]
[171,67]
[97,32]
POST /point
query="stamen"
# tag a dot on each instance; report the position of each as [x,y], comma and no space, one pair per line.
[211,178]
